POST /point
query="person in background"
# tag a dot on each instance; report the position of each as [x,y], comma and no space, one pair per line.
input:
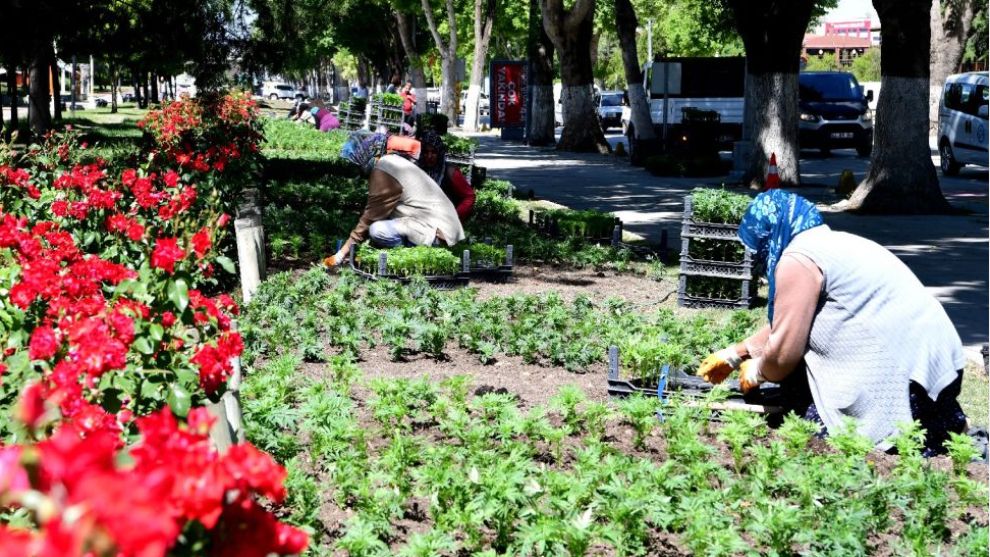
[404,207]
[326,120]
[393,86]
[852,333]
[408,107]
[361,92]
[300,107]
[433,161]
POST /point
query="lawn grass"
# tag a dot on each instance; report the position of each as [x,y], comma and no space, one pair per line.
[975,395]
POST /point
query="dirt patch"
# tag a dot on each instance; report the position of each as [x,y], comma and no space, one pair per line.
[571,283]
[532,384]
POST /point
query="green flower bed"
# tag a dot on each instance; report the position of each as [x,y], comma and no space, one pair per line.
[718,206]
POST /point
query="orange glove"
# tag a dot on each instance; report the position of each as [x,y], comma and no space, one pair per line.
[750,376]
[716,367]
[330,261]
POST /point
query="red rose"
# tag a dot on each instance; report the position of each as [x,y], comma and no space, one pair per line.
[201,242]
[168,319]
[44,344]
[166,253]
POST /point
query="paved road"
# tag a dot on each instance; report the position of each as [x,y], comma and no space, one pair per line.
[948,253]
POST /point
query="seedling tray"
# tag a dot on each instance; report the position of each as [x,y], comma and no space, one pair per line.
[717,269]
[488,272]
[767,396]
[744,299]
[439,282]
[690,228]
[551,228]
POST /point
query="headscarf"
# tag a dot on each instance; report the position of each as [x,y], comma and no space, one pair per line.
[772,220]
[432,139]
[364,149]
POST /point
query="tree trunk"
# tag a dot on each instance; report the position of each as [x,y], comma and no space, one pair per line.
[484,20]
[639,104]
[541,112]
[14,122]
[772,33]
[415,64]
[901,177]
[136,81]
[144,86]
[114,88]
[56,76]
[571,32]
[950,23]
[39,115]
[448,58]
[154,88]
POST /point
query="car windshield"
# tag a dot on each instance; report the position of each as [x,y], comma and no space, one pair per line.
[612,100]
[829,87]
[283,87]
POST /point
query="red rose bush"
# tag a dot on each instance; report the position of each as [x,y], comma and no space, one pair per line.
[112,326]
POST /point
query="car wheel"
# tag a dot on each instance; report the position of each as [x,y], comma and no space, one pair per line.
[950,167]
[864,150]
[273,97]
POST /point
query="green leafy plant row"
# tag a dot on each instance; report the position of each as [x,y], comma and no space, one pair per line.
[578,224]
[489,475]
[409,261]
[392,99]
[718,205]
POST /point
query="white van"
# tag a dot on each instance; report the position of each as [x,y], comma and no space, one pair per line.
[274,90]
[962,121]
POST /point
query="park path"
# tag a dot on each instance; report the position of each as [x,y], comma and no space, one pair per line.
[948,253]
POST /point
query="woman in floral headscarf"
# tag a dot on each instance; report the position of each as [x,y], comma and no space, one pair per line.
[851,328]
[433,161]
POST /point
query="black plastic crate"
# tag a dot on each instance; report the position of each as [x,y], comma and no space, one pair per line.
[490,272]
[744,300]
[691,228]
[768,395]
[440,282]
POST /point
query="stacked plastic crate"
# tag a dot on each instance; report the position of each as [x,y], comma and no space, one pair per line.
[716,268]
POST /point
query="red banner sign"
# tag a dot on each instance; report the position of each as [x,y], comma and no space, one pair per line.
[509,92]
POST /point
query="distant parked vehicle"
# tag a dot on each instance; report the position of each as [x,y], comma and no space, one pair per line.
[835,113]
[273,91]
[483,104]
[609,106]
[962,122]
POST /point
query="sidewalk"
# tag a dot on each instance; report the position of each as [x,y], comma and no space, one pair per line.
[948,253]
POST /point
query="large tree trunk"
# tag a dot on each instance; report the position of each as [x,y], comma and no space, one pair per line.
[484,20]
[541,110]
[15,120]
[571,32]
[415,64]
[56,76]
[114,88]
[154,88]
[39,115]
[950,23]
[772,33]
[448,58]
[639,104]
[901,178]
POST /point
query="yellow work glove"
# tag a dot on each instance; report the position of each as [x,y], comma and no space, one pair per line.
[750,376]
[716,367]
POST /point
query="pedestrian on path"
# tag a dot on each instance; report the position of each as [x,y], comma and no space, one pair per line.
[408,107]
[852,333]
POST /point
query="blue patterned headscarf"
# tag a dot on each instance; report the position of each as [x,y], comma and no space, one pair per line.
[364,149]
[772,220]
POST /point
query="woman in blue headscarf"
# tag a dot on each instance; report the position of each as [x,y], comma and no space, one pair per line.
[850,321]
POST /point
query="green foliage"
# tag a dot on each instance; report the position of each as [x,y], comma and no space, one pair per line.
[401,261]
[392,99]
[866,67]
[826,62]
[718,205]
[459,146]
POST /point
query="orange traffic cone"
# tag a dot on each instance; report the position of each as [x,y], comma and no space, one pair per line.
[773,181]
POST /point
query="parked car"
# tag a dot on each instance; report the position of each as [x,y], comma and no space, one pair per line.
[484,106]
[962,122]
[609,106]
[835,113]
[274,90]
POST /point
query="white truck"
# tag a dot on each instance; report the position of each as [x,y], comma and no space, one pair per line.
[693,86]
